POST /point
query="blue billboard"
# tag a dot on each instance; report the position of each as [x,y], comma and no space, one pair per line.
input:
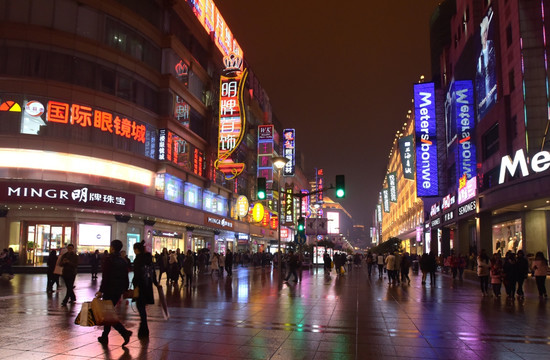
[426,140]
[464,116]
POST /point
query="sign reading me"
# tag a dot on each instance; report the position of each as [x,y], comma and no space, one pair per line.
[539,162]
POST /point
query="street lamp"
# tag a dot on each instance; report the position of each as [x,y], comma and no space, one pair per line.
[279,163]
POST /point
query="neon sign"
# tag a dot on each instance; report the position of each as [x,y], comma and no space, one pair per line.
[426,140]
[463,110]
[539,162]
[265,155]
[85,116]
[232,117]
[392,184]
[213,22]
[289,151]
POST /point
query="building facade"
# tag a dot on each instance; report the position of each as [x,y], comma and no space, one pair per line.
[110,116]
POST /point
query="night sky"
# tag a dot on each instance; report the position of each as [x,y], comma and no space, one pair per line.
[341,73]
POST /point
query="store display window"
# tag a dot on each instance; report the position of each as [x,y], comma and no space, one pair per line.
[507,236]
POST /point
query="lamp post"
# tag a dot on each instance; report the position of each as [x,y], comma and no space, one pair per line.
[279,163]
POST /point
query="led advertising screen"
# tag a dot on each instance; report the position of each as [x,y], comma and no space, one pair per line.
[463,111]
[426,140]
[94,235]
[173,189]
[486,76]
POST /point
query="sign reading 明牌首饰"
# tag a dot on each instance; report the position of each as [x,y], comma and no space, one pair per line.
[289,151]
[232,117]
[426,140]
[463,110]
[407,156]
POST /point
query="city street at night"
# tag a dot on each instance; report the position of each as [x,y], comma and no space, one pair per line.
[250,316]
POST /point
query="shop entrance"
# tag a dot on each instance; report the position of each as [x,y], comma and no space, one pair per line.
[42,238]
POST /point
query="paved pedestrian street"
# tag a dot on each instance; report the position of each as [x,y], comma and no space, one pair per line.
[253,316]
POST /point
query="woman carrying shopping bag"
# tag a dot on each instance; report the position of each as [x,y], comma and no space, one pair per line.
[113,283]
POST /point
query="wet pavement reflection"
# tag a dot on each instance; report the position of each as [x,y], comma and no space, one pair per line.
[253,315]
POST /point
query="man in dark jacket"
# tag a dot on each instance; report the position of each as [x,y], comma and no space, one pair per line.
[522,266]
[113,283]
[69,262]
[229,263]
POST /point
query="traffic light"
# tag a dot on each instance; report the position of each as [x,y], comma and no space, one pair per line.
[340,186]
[301,225]
[261,188]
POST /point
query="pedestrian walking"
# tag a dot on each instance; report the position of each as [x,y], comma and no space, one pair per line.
[380,262]
[509,271]
[483,272]
[496,274]
[188,266]
[174,268]
[522,266]
[405,267]
[52,261]
[95,260]
[424,264]
[540,266]
[221,264]
[390,266]
[114,281]
[69,263]
[144,277]
[397,267]
[229,263]
[432,267]
[370,262]
[292,265]
[164,258]
[214,264]
[327,263]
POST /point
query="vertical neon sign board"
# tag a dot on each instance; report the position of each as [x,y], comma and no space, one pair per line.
[463,110]
[426,141]
[232,116]
[407,156]
[386,200]
[392,185]
[265,156]
[289,151]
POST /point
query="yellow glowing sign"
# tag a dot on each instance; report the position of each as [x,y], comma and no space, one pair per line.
[242,206]
[258,213]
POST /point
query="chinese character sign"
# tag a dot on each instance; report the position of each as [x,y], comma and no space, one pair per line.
[392,185]
[289,151]
[232,123]
[319,180]
[288,216]
[407,156]
[265,155]
[386,199]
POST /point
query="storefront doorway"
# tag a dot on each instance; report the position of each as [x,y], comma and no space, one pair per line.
[42,238]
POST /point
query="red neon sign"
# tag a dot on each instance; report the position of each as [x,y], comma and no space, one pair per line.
[85,116]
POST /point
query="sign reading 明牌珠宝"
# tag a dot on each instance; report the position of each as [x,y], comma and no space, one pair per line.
[289,151]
